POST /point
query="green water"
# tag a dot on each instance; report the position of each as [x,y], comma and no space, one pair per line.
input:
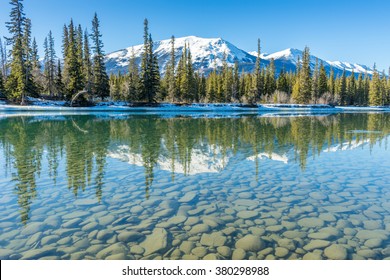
[140,186]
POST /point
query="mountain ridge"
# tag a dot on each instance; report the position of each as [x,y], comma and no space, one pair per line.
[208,54]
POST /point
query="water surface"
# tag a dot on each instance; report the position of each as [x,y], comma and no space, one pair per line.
[117,186]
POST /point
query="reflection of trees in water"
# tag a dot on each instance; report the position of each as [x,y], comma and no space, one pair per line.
[83,142]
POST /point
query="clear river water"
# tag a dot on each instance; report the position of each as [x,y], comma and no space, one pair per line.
[195,186]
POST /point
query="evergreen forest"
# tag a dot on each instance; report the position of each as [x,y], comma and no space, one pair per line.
[80,72]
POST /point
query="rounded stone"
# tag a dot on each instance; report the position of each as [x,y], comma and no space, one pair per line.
[250,243]
[281,252]
[247,214]
[312,256]
[287,243]
[336,252]
[200,228]
[239,254]
[211,257]
[137,250]
[373,243]
[311,222]
[199,251]
[316,244]
[224,251]
[130,236]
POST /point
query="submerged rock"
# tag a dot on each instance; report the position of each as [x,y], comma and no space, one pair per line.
[336,252]
[250,243]
[200,228]
[311,222]
[247,214]
[157,242]
[238,254]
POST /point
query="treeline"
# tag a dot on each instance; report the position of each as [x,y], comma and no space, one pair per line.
[184,85]
[82,69]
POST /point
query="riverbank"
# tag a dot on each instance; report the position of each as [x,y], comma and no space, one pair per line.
[45,105]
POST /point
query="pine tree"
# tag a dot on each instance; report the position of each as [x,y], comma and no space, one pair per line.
[332,84]
[315,81]
[375,98]
[50,64]
[171,84]
[31,87]
[236,84]
[282,83]
[191,88]
[72,74]
[101,86]
[60,88]
[16,85]
[256,93]
[3,59]
[270,83]
[150,74]
[36,67]
[87,64]
[302,92]
[360,90]
[134,80]
[65,51]
[182,75]
[2,89]
[351,89]
[155,72]
[384,92]
[322,81]
[342,89]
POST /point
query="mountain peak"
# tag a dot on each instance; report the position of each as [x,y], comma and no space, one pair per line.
[208,54]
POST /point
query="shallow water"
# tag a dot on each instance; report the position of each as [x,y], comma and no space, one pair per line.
[117,186]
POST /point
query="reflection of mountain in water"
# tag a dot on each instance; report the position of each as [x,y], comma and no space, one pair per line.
[351,145]
[273,156]
[204,159]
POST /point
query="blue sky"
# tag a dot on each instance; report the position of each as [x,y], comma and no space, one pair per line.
[353,31]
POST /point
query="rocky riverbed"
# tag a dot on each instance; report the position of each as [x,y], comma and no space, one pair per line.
[224,217]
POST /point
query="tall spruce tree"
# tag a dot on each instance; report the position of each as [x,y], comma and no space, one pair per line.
[60,88]
[270,83]
[257,85]
[236,83]
[73,79]
[2,89]
[50,64]
[342,89]
[87,64]
[3,59]
[351,89]
[150,74]
[101,86]
[314,85]
[171,72]
[375,98]
[302,91]
[282,83]
[31,86]
[134,80]
[16,82]
[322,81]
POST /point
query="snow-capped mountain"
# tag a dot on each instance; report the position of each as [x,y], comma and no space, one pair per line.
[208,53]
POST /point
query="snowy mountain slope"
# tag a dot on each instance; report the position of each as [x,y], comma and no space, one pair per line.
[208,53]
